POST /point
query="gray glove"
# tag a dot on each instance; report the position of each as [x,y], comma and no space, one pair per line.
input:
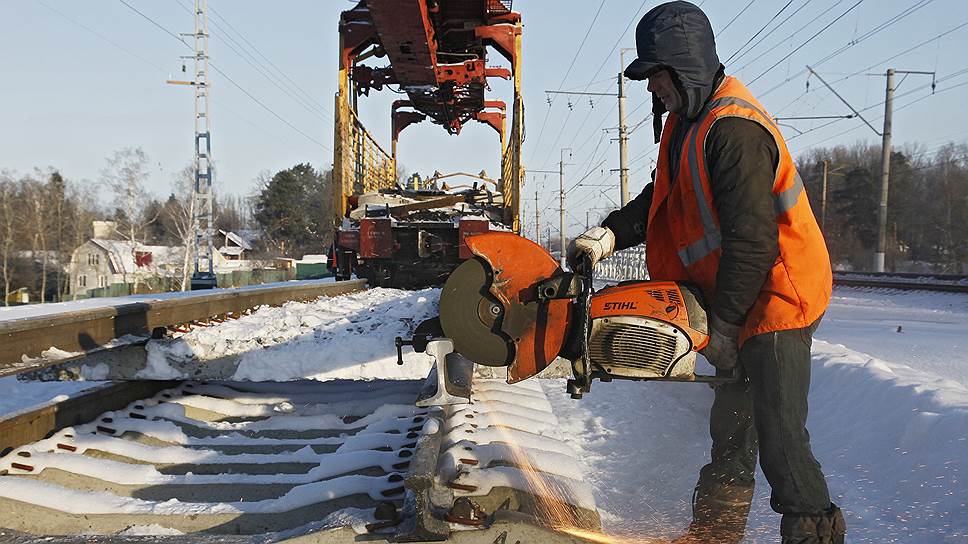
[723,347]
[596,242]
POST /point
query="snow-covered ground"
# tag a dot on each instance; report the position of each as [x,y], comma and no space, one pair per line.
[889,428]
[889,409]
[345,337]
[926,330]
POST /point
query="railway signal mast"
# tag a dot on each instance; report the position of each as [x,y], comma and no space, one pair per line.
[203,276]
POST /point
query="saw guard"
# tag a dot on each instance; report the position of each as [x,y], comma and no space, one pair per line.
[538,330]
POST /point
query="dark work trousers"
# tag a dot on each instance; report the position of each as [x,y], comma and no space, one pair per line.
[766,410]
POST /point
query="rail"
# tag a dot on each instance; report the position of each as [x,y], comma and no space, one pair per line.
[23,340]
[893,281]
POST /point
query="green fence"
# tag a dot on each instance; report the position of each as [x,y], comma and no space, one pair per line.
[312,271]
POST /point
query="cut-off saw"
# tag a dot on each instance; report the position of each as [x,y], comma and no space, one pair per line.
[513,306]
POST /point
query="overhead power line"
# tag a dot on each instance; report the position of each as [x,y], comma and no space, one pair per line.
[236,47]
[906,51]
[309,98]
[608,56]
[908,104]
[123,49]
[568,72]
[793,34]
[758,32]
[227,77]
[876,64]
[810,39]
[874,31]
[742,11]
[99,35]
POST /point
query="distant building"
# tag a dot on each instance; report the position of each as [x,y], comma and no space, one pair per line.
[100,262]
[235,246]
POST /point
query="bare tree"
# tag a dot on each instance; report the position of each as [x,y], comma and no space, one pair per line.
[35,223]
[124,175]
[80,225]
[180,209]
[8,196]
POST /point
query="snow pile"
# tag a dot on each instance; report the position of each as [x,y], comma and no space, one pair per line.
[253,414]
[349,336]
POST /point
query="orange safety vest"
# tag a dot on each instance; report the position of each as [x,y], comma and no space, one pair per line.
[683,237]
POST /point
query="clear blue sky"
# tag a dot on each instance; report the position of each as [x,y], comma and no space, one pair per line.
[70,95]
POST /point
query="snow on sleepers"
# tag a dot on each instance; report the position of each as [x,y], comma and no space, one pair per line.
[108,475]
[504,450]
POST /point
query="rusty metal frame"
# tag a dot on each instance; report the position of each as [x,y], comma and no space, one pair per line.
[360,165]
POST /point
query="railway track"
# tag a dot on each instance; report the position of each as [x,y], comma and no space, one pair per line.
[335,461]
[903,281]
[311,461]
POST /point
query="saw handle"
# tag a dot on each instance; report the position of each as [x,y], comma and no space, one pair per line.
[584,268]
[419,343]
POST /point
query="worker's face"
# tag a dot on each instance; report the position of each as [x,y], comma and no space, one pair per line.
[661,85]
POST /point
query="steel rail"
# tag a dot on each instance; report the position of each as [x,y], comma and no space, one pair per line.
[906,275]
[38,423]
[22,340]
[884,283]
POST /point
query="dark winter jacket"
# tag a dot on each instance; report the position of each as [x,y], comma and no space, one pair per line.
[741,157]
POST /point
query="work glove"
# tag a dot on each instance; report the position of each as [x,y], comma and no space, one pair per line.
[723,347]
[595,243]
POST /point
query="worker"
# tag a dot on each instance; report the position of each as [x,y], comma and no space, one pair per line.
[727,212]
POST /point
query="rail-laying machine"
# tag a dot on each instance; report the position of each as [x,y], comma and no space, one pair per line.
[435,51]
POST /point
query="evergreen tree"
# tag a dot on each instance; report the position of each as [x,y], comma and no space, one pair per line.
[292,209]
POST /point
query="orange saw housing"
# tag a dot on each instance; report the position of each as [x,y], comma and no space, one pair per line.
[646,330]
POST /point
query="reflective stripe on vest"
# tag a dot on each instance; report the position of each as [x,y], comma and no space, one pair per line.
[711,239]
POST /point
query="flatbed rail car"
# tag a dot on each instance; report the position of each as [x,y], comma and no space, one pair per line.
[436,51]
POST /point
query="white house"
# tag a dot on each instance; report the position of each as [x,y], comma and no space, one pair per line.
[100,262]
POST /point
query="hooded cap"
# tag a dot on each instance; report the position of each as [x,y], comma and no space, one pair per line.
[678,36]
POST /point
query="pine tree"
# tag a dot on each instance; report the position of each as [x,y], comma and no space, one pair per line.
[292,209]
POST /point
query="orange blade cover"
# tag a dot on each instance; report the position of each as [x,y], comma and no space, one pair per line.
[537,329]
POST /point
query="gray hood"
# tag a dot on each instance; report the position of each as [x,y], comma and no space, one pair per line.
[678,36]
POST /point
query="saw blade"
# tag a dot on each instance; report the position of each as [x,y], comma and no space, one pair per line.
[470,315]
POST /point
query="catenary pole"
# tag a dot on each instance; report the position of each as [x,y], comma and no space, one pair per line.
[202,165]
[823,201]
[885,174]
[623,143]
[881,250]
[623,131]
[537,219]
[561,206]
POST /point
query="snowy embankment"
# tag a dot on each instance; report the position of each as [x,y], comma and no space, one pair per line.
[891,435]
[344,337]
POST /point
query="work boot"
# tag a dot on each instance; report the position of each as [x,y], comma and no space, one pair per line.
[825,528]
[719,513]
